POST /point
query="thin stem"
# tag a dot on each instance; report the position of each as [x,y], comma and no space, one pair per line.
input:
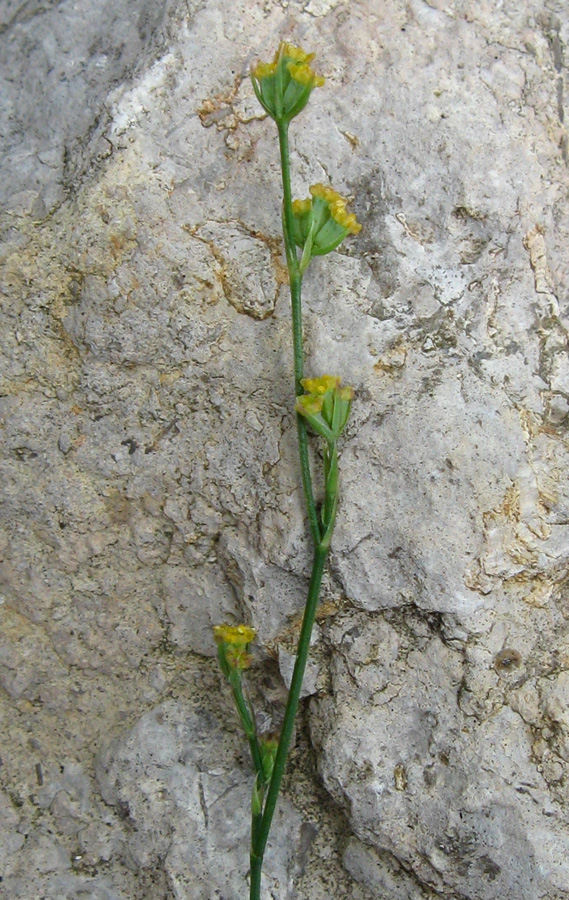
[255,877]
[295,279]
[260,843]
[256,808]
[296,308]
[246,720]
[307,480]
[290,248]
[261,826]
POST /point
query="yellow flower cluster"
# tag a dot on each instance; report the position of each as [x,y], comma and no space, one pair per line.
[346,394]
[312,401]
[264,70]
[237,635]
[297,65]
[325,405]
[309,404]
[337,206]
[232,642]
[320,385]
[304,75]
[301,207]
[283,86]
[295,53]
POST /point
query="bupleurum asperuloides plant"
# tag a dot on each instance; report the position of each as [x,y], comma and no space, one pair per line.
[311,227]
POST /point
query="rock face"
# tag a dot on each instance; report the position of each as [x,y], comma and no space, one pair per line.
[187,805]
[149,475]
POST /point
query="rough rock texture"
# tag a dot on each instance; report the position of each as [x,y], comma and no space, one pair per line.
[188,804]
[149,475]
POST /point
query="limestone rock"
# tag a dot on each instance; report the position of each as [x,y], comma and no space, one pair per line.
[187,800]
[450,794]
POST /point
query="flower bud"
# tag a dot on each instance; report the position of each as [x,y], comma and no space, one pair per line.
[269,745]
[257,798]
[232,643]
[321,222]
[284,85]
[325,405]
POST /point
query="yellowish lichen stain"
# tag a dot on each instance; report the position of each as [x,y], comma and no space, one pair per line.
[400,777]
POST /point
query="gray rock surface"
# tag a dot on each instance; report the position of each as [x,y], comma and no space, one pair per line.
[186,809]
[149,475]
[59,60]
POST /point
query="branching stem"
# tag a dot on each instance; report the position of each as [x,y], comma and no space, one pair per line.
[295,279]
[321,531]
[258,849]
[260,831]
[317,226]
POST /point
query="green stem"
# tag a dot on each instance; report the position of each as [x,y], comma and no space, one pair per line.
[260,843]
[296,308]
[330,492]
[295,279]
[246,720]
[261,826]
[307,480]
[291,257]
[256,809]
[255,877]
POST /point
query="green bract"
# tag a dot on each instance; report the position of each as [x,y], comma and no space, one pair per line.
[325,406]
[321,222]
[284,85]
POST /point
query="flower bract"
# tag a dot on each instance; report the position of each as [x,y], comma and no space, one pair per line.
[321,222]
[269,746]
[325,405]
[284,85]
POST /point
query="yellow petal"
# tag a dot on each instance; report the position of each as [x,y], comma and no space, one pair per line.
[320,385]
[310,404]
[337,206]
[302,73]
[300,207]
[238,635]
[293,52]
[263,70]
